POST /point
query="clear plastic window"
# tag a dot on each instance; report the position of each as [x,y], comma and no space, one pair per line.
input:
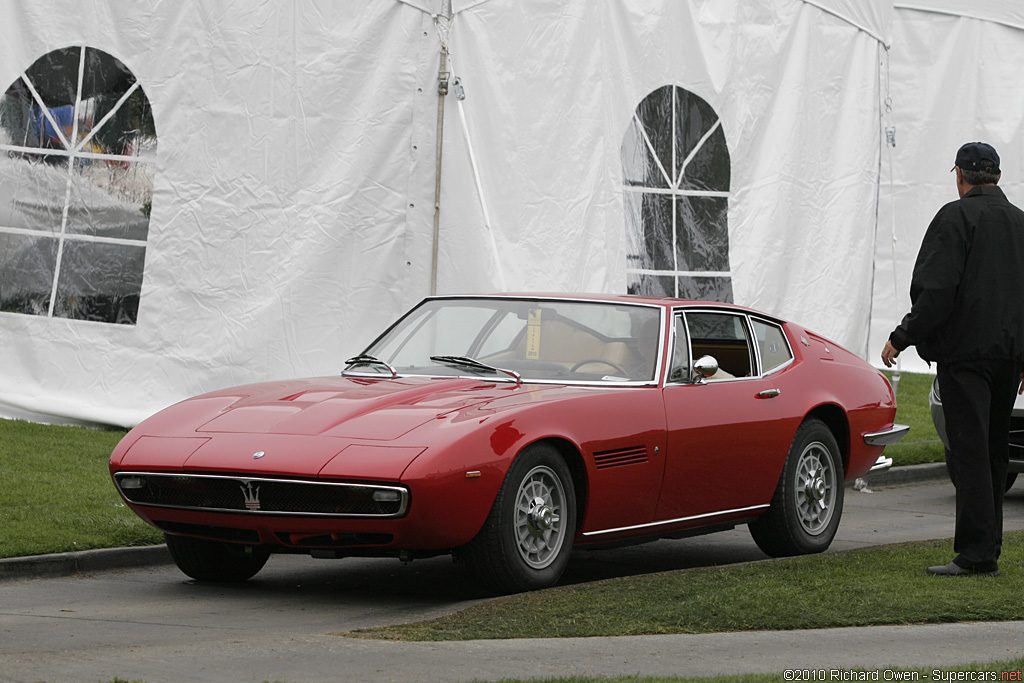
[676,174]
[77,152]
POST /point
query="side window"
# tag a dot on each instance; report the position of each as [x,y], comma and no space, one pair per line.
[724,336]
[679,371]
[772,344]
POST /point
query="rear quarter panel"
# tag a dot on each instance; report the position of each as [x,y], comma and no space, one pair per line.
[833,377]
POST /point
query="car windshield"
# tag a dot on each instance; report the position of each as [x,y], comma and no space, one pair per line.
[517,339]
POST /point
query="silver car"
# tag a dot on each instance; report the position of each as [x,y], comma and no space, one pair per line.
[1016,431]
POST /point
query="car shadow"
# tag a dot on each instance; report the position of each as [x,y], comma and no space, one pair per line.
[439,581]
[663,555]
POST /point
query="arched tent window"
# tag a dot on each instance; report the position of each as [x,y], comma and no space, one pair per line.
[676,172]
[77,150]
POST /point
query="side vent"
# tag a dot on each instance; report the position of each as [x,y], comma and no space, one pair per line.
[620,456]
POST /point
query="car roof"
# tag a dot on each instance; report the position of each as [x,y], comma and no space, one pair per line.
[634,299]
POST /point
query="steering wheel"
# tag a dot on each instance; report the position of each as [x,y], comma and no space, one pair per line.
[618,368]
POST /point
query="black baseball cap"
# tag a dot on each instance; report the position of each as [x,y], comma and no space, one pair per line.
[977,156]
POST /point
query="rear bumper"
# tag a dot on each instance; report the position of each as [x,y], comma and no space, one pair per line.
[883,463]
[887,436]
[884,438]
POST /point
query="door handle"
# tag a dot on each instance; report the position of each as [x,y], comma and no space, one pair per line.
[768,393]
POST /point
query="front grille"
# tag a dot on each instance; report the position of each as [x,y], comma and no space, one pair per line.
[258,495]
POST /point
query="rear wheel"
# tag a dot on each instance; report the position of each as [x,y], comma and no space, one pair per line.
[527,538]
[205,560]
[808,502]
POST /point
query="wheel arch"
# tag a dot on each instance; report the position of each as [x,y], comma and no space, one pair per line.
[837,422]
[574,461]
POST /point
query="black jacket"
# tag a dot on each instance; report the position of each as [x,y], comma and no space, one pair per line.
[967,292]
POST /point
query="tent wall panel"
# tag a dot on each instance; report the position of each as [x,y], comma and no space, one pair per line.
[293,202]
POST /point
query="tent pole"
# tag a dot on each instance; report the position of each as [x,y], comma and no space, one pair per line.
[890,144]
[442,90]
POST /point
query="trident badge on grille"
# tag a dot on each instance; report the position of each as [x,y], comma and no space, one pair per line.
[252,496]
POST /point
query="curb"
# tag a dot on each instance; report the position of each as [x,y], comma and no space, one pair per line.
[82,562]
[106,559]
[907,474]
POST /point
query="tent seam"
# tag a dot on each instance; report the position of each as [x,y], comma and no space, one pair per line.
[951,13]
[849,21]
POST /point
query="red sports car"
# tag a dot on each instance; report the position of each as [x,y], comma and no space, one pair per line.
[508,429]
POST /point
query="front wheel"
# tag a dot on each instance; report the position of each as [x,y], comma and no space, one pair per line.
[527,539]
[808,501]
[205,560]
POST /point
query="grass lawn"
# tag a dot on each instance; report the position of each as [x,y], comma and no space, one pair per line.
[56,494]
[921,444]
[1011,668]
[864,587]
[998,668]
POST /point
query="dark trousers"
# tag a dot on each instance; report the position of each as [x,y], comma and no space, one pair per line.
[977,399]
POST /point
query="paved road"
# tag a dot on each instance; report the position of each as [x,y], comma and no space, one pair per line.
[152,624]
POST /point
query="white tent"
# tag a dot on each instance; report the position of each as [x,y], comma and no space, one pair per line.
[954,73]
[288,173]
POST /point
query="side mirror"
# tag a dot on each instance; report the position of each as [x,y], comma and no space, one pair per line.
[704,369]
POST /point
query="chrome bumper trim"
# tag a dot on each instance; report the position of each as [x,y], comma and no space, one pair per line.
[887,436]
[883,463]
[239,494]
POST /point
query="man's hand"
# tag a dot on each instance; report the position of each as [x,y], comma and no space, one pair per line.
[890,352]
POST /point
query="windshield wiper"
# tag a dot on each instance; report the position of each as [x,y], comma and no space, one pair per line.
[467,362]
[366,359]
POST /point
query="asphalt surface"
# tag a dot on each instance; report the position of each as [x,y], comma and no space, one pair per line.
[128,613]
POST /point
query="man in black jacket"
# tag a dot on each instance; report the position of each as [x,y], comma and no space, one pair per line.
[967,315]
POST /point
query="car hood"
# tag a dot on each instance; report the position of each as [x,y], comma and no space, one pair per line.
[378,410]
[278,427]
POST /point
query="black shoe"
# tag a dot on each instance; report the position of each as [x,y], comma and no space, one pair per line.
[953,569]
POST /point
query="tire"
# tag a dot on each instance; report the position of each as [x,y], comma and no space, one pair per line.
[808,502]
[527,538]
[1010,478]
[215,561]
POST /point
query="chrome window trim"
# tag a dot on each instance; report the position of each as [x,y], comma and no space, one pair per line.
[664,313]
[779,367]
[672,345]
[751,347]
[243,480]
[596,384]
[757,348]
